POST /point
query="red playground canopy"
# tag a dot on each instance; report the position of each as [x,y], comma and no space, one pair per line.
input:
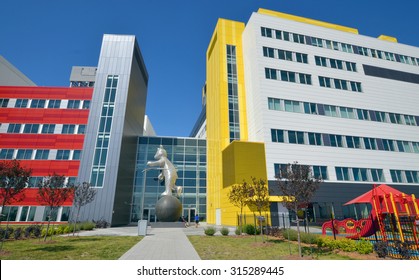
[380,190]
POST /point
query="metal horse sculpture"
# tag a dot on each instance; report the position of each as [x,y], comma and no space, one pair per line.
[168,174]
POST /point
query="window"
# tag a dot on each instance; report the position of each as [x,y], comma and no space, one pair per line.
[396,176]
[266,32]
[363,51]
[350,66]
[415,147]
[330,111]
[296,137]
[335,140]
[298,38]
[370,143]
[68,129]
[320,172]
[388,145]
[268,52]
[6,153]
[24,154]
[353,142]
[287,76]
[21,103]
[336,64]
[356,86]
[363,114]
[317,42]
[324,82]
[76,154]
[292,106]
[305,79]
[404,146]
[82,129]
[14,128]
[310,108]
[31,128]
[342,173]
[42,154]
[286,36]
[274,104]
[347,113]
[412,176]
[278,34]
[320,61]
[301,57]
[63,154]
[360,174]
[340,84]
[380,116]
[54,104]
[347,48]
[38,103]
[315,139]
[86,104]
[270,74]
[409,120]
[277,135]
[73,104]
[288,55]
[395,118]
[377,175]
[48,128]
[279,168]
[4,102]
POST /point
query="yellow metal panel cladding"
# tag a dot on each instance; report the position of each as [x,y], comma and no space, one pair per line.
[308,21]
[226,32]
[242,161]
[387,38]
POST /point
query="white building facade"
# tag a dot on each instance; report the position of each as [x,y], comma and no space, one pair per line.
[343,103]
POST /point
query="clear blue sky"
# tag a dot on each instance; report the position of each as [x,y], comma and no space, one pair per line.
[45,38]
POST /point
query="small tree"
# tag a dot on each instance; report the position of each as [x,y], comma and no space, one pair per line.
[13,180]
[83,195]
[238,196]
[297,183]
[53,192]
[259,198]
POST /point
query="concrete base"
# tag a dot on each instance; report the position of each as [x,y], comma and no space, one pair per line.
[167,225]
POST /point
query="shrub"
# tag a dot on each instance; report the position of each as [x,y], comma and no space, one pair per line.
[6,233]
[101,223]
[17,233]
[364,247]
[250,229]
[87,226]
[224,231]
[237,231]
[37,231]
[210,231]
[28,231]
[290,234]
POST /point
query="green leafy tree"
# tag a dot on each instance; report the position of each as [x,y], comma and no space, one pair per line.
[238,196]
[53,192]
[13,180]
[83,194]
[296,182]
[259,198]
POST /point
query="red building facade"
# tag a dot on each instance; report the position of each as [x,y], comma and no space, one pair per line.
[43,127]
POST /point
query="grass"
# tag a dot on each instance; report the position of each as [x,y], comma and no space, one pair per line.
[246,248]
[69,248]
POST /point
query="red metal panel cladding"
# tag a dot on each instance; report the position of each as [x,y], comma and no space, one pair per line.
[42,141]
[46,92]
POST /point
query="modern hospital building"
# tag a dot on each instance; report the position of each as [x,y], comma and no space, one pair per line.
[279,89]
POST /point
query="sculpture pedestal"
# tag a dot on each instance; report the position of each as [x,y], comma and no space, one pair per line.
[168,209]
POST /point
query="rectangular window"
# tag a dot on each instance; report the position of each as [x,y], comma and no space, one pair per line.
[277,135]
[415,147]
[298,38]
[42,154]
[353,142]
[363,114]
[396,176]
[31,128]
[305,79]
[324,82]
[68,129]
[24,154]
[295,137]
[63,154]
[301,57]
[350,66]
[315,139]
[292,106]
[342,173]
[360,174]
[270,74]
[6,153]
[356,86]
[320,172]
[266,32]
[278,34]
[14,128]
[347,113]
[388,145]
[279,168]
[412,176]
[377,175]
[268,52]
[370,143]
[81,129]
[76,154]
[48,128]
[310,108]
[409,120]
[320,61]
[21,103]
[73,104]
[330,111]
[86,104]
[38,103]
[380,116]
[54,104]
[335,140]
[274,104]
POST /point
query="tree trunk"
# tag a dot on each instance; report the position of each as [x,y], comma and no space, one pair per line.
[75,223]
[298,232]
[49,221]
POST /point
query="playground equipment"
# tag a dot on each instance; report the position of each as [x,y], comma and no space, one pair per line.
[394,218]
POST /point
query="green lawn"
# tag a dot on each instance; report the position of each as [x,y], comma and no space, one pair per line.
[69,248]
[246,248]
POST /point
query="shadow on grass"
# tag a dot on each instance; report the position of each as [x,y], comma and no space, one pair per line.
[53,248]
